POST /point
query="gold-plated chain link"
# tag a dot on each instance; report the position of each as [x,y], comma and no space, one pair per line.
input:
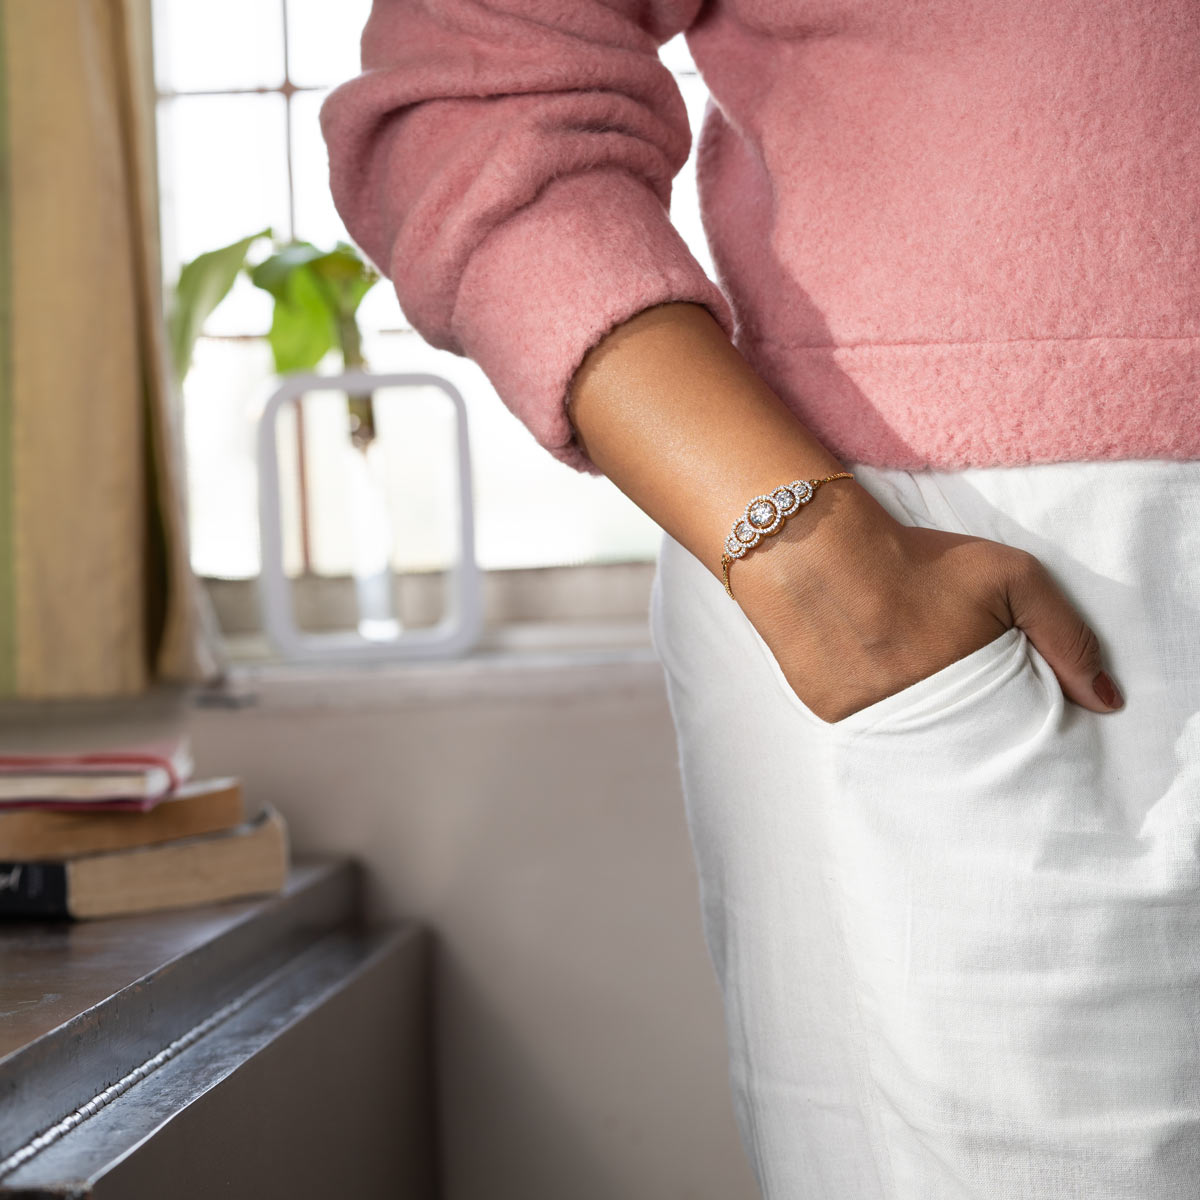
[727,559]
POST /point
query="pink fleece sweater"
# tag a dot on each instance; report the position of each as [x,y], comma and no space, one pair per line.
[947,232]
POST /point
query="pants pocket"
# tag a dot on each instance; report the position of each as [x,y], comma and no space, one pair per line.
[1025,958]
[974,674]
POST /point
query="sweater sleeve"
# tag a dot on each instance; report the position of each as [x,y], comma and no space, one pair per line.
[508,164]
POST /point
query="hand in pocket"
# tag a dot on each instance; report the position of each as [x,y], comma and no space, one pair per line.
[856,606]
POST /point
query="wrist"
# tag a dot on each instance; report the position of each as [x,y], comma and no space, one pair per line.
[816,548]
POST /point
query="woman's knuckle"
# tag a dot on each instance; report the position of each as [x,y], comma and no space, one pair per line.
[1025,567]
[1084,650]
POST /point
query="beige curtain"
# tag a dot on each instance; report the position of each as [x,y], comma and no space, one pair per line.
[96,593]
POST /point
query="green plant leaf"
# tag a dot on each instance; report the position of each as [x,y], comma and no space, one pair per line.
[273,273]
[203,284]
[304,328]
[347,275]
[317,293]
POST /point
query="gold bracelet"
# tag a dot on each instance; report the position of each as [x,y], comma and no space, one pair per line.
[765,515]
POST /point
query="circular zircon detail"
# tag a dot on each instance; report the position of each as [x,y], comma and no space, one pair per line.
[803,490]
[734,548]
[763,514]
[744,534]
[785,500]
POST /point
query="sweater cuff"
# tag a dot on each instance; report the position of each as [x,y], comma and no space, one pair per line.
[543,288]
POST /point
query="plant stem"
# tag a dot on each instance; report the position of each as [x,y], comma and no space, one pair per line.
[362,411]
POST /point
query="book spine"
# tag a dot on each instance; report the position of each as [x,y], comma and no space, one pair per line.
[33,889]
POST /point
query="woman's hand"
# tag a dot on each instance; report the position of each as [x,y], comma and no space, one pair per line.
[854,605]
[857,606]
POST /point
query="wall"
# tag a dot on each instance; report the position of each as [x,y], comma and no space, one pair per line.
[528,808]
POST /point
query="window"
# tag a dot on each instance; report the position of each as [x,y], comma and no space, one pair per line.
[240,84]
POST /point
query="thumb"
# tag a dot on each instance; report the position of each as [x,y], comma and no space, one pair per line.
[1062,637]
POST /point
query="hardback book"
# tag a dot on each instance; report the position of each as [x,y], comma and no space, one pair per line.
[140,774]
[198,806]
[250,859]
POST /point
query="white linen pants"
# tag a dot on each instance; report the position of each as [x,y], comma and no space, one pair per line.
[958,932]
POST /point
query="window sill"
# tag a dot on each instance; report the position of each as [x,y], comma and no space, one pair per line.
[528,661]
[593,593]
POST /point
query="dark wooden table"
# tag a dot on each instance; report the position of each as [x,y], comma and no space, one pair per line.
[263,1048]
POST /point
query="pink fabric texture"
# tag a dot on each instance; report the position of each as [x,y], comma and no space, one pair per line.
[949,233]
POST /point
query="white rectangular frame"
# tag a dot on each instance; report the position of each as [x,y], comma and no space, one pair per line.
[461,627]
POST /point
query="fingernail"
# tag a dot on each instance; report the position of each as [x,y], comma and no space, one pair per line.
[1104,687]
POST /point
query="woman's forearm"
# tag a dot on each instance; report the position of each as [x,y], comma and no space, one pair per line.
[672,413]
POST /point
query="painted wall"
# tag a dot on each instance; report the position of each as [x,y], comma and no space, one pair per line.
[530,812]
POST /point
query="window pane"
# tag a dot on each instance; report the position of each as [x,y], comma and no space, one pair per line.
[323,40]
[222,397]
[225,169]
[218,44]
[223,166]
[316,218]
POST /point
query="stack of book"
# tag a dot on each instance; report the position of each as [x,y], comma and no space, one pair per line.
[100,832]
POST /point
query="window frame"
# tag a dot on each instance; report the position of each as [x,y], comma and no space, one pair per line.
[616,591]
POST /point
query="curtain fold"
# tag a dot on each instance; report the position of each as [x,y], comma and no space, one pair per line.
[97,597]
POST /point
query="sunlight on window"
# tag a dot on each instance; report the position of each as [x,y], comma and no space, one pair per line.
[241,83]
